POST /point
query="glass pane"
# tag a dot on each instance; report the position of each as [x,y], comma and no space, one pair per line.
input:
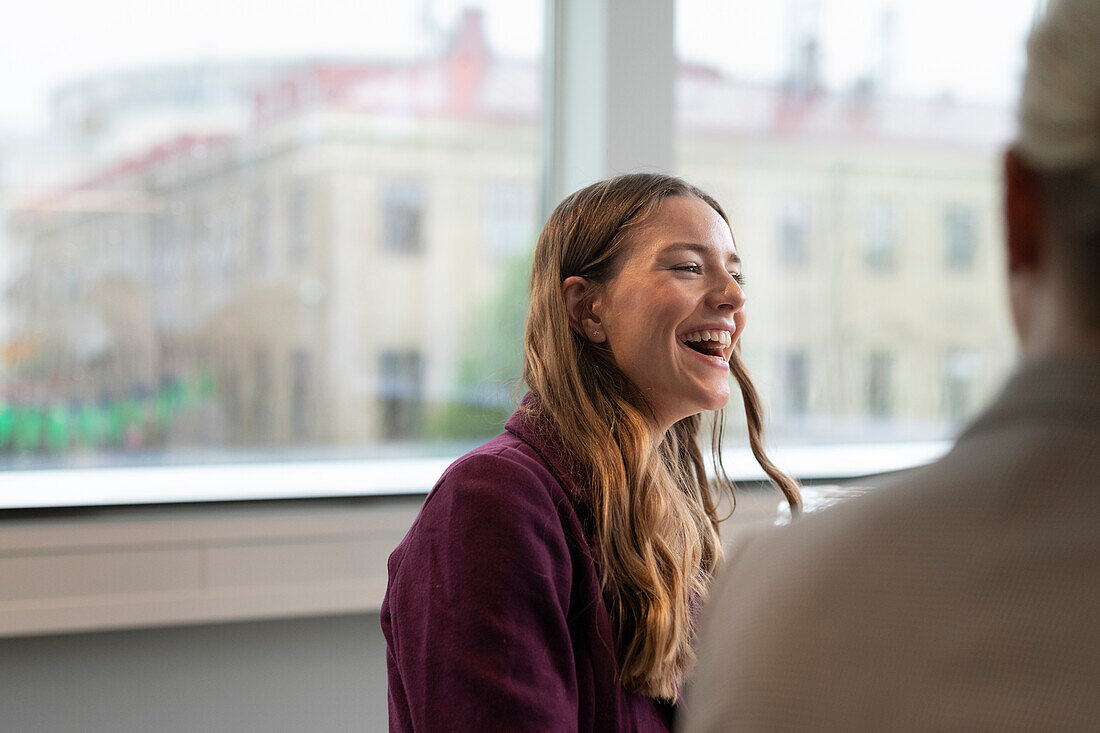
[243,235]
[856,146]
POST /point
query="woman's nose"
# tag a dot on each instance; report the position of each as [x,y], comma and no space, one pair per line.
[727,293]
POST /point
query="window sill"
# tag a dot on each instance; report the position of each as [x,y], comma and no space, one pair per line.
[169,566]
[44,489]
[141,549]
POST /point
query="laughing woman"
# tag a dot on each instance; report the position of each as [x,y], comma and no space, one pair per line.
[551,579]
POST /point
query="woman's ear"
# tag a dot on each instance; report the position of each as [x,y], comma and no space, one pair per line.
[577,292]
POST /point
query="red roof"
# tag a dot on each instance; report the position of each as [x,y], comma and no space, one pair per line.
[467,81]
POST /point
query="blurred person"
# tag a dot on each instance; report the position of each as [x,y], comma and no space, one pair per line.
[551,580]
[965,595]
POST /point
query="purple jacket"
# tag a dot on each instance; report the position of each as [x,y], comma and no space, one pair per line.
[494,618]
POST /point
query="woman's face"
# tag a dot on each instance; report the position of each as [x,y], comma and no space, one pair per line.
[673,313]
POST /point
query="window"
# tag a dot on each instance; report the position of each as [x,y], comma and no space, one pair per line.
[231,235]
[962,369]
[880,236]
[833,134]
[833,138]
[260,249]
[231,403]
[794,232]
[252,223]
[880,384]
[401,386]
[261,394]
[302,396]
[796,382]
[403,215]
[509,214]
[960,236]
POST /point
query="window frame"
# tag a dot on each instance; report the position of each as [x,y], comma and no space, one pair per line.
[601,115]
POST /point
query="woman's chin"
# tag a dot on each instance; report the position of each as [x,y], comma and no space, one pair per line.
[719,399]
[711,404]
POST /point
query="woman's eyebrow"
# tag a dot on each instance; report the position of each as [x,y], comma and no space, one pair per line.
[701,249]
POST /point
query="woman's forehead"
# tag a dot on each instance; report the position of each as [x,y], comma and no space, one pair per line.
[687,221]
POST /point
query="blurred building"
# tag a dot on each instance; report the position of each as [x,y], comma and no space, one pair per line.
[331,262]
[870,228]
[323,264]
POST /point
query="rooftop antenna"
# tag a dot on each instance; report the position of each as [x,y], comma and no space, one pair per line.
[884,64]
[803,46]
[433,32]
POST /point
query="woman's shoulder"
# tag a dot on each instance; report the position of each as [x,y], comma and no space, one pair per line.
[505,479]
[498,495]
[506,451]
[505,465]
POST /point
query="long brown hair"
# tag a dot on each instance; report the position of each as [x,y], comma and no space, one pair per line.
[655,517]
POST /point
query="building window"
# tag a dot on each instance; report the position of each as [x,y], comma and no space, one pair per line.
[794,232]
[795,369]
[231,398]
[301,414]
[880,236]
[402,376]
[880,384]
[231,235]
[960,235]
[261,394]
[961,370]
[203,242]
[403,217]
[509,212]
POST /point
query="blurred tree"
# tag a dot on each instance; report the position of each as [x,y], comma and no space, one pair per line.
[491,366]
[7,423]
[28,428]
[57,428]
[93,425]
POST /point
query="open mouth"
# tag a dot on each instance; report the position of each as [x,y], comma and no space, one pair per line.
[708,343]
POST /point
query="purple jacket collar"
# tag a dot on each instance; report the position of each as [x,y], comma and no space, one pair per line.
[533,426]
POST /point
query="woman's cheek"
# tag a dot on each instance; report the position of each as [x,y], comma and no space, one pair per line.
[740,321]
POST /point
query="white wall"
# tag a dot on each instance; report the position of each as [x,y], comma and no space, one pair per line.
[315,674]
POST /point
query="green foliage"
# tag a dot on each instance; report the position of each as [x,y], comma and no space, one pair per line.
[57,429]
[28,428]
[491,365]
[7,423]
[460,420]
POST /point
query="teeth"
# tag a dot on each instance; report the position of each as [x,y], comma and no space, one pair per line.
[722,337]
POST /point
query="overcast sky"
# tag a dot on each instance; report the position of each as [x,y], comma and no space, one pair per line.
[971,48]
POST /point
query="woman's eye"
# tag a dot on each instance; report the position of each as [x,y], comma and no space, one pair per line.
[689,268]
[739,278]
